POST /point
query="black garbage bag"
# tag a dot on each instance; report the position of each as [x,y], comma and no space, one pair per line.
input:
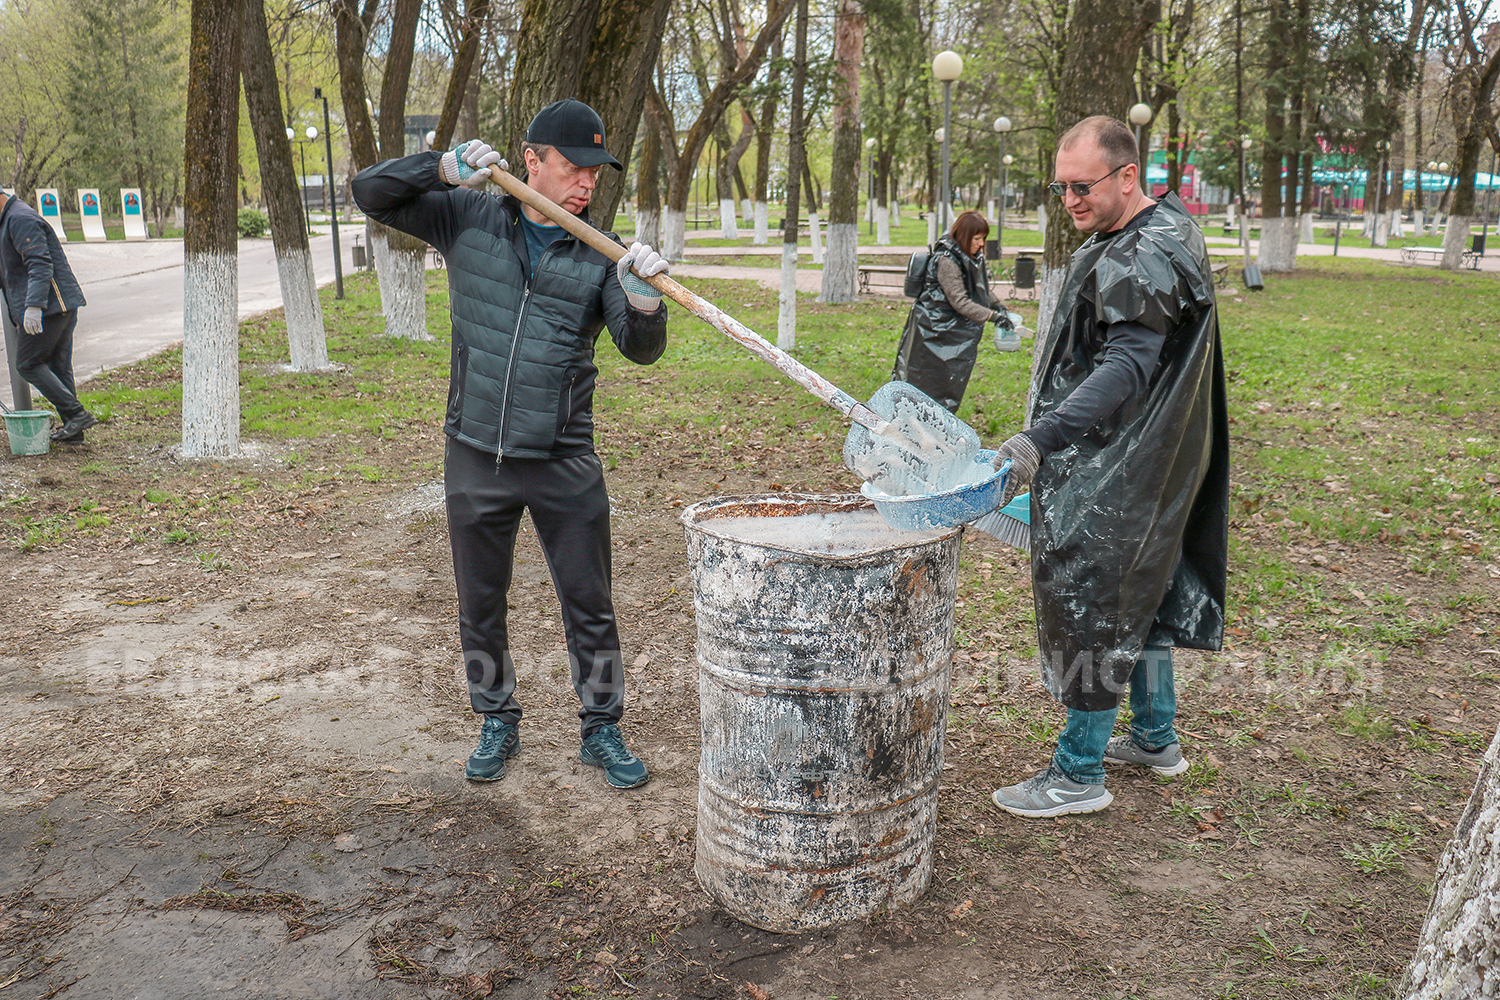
[1129,522]
[939,345]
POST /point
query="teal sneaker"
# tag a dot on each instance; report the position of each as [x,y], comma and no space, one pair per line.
[605,748]
[498,741]
[1166,762]
[1051,793]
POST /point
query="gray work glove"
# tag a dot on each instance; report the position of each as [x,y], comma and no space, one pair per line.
[469,164]
[646,262]
[32,320]
[1024,459]
[1002,319]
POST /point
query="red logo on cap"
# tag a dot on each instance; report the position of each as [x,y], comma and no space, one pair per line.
[599,138]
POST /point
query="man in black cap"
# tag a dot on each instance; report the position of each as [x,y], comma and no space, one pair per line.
[527,301]
[43,298]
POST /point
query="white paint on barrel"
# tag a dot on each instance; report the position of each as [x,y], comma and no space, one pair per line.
[823,687]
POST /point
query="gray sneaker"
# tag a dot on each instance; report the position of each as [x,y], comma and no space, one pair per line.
[1051,793]
[1166,762]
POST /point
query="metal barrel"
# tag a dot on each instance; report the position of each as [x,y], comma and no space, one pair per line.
[823,675]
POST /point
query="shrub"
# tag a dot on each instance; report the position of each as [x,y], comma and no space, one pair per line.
[253,224]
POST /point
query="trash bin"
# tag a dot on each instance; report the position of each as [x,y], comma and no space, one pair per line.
[1025,276]
[357,255]
[825,646]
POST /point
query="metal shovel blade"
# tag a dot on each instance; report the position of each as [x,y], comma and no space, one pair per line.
[925,450]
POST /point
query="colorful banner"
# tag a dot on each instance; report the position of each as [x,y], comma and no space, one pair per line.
[130,209]
[88,214]
[49,208]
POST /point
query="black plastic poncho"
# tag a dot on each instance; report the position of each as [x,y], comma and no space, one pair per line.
[1130,521]
[939,344]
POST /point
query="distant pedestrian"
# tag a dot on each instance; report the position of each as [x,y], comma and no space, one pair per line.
[43,298]
[941,340]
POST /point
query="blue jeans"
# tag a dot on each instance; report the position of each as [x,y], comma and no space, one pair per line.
[1153,706]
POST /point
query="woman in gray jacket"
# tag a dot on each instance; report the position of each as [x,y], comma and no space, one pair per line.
[941,339]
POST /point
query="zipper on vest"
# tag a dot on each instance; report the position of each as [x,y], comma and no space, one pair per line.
[510,376]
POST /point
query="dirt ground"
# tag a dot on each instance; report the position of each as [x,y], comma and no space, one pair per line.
[233,754]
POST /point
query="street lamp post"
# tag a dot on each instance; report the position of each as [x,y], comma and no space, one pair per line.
[333,200]
[870,144]
[947,67]
[312,133]
[1002,126]
[1140,116]
[1250,273]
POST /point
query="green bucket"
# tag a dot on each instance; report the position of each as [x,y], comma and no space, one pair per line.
[30,431]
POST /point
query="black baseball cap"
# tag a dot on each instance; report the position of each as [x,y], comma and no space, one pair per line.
[575,129]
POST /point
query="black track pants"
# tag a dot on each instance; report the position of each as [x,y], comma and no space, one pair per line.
[570,510]
[46,361]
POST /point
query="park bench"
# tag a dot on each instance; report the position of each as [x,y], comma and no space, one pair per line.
[1416,255]
[867,271]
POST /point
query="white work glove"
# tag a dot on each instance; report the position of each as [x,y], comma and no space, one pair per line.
[646,262]
[469,163]
[33,320]
[1024,459]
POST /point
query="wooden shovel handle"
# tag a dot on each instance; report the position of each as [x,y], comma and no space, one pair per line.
[698,306]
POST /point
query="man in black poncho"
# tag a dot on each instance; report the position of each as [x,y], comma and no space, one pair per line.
[1127,452]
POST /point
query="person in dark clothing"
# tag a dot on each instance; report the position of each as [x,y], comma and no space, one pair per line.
[941,339]
[528,301]
[43,298]
[1127,454]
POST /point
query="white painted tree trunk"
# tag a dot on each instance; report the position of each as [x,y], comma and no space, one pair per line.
[931,230]
[403,290]
[1041,224]
[747,212]
[994,209]
[1278,244]
[211,356]
[1382,229]
[306,339]
[1418,222]
[762,223]
[1305,233]
[895,213]
[841,266]
[817,237]
[882,226]
[1458,951]
[1455,241]
[728,229]
[674,235]
[786,316]
[1398,229]
[648,226]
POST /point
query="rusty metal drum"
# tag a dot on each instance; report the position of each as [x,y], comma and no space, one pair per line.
[825,644]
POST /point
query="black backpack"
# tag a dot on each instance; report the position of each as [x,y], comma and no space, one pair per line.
[916,273]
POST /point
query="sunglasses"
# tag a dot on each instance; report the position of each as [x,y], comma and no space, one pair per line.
[1082,190]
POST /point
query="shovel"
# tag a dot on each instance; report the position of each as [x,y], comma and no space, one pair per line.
[904,442]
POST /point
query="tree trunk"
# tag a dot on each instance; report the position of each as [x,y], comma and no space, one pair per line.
[600,51]
[648,185]
[1103,39]
[1278,232]
[841,263]
[210,314]
[306,340]
[786,319]
[1458,951]
[1470,95]
[470,27]
[763,134]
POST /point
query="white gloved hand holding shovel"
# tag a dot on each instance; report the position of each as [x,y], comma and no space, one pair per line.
[646,262]
[468,164]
